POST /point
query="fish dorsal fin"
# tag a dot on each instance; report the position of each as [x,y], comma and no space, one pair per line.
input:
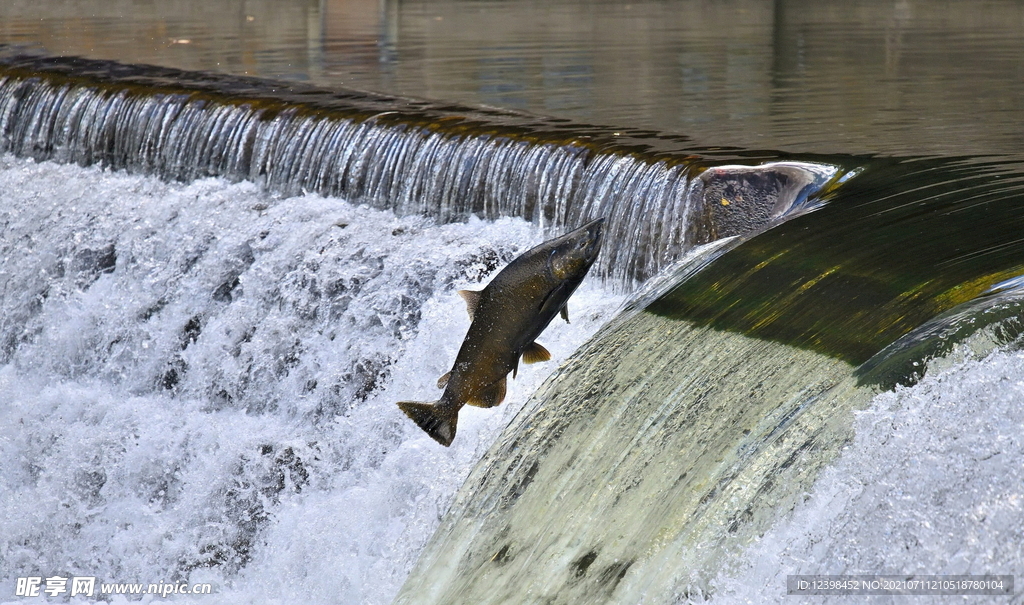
[535,353]
[565,312]
[442,382]
[490,396]
[472,298]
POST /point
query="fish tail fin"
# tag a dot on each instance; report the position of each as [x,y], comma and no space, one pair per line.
[437,421]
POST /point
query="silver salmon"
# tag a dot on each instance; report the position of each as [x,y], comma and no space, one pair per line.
[506,318]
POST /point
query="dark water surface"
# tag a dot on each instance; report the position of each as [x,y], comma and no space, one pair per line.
[893,78]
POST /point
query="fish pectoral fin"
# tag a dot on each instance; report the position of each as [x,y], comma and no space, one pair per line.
[442,382]
[439,422]
[472,298]
[535,353]
[490,396]
[551,298]
[565,312]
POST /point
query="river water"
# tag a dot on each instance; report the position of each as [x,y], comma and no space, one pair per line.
[899,77]
[208,314]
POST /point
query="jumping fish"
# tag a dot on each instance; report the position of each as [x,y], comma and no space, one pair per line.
[506,318]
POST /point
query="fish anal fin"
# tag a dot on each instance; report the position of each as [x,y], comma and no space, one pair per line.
[438,422]
[442,382]
[490,396]
[565,312]
[535,353]
[472,298]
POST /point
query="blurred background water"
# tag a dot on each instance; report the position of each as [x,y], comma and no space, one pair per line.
[865,76]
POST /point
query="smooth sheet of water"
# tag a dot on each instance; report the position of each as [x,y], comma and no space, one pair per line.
[897,77]
[929,485]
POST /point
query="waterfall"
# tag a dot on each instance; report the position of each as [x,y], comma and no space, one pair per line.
[695,421]
[389,153]
[199,381]
[215,288]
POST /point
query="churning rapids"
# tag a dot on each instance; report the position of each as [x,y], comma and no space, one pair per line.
[199,372]
[200,381]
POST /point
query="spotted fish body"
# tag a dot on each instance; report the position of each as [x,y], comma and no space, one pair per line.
[507,316]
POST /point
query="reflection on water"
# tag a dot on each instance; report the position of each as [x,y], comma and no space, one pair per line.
[858,77]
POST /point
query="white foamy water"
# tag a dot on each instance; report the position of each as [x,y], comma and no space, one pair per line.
[932,484]
[199,382]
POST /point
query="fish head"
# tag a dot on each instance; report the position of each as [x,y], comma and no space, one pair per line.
[572,254]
